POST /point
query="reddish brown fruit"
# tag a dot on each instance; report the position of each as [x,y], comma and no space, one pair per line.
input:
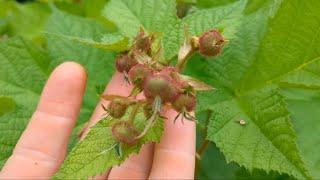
[174,74]
[125,62]
[184,101]
[160,85]
[125,132]
[138,73]
[117,108]
[211,43]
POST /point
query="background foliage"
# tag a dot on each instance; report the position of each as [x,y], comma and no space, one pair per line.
[268,75]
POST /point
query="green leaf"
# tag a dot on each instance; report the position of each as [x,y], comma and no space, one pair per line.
[91,156]
[69,25]
[213,3]
[98,63]
[265,141]
[97,152]
[21,65]
[264,51]
[98,36]
[7,105]
[308,77]
[239,143]
[304,105]
[225,18]
[220,169]
[282,49]
[130,15]
[26,20]
[114,42]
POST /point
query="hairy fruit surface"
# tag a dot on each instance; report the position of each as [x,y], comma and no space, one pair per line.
[117,108]
[160,85]
[125,132]
[211,43]
[138,73]
[184,101]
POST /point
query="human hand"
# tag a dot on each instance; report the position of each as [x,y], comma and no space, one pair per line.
[42,147]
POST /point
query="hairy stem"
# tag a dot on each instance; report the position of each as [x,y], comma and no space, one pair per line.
[155,115]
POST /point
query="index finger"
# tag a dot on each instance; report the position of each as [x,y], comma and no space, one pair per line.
[43,144]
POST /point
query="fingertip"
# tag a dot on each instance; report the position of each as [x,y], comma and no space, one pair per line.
[64,90]
[70,70]
[66,81]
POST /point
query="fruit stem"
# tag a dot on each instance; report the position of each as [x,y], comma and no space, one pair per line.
[203,145]
[202,148]
[156,111]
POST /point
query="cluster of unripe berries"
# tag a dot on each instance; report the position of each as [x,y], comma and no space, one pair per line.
[160,84]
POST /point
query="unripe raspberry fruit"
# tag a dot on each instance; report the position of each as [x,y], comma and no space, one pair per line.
[125,132]
[117,108]
[138,73]
[160,85]
[211,43]
[174,74]
[125,62]
[186,101]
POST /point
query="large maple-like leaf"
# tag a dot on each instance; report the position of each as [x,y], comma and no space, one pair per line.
[248,71]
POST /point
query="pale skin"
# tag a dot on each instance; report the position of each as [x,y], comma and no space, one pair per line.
[42,147]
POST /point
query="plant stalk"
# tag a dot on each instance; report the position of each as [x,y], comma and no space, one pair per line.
[203,145]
